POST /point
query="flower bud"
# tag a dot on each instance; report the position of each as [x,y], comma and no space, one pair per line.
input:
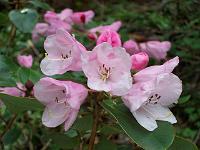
[110,37]
[139,61]
[131,47]
[25,61]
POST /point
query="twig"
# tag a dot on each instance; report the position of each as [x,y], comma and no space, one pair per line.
[95,125]
[197,137]
[10,123]
[46,145]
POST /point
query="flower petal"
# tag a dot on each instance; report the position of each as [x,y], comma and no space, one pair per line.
[51,66]
[160,113]
[70,120]
[169,87]
[152,71]
[55,114]
[145,119]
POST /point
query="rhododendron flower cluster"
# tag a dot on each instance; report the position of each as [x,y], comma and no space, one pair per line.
[108,68]
[63,20]
[112,66]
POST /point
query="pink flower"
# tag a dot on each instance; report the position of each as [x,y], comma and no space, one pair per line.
[152,71]
[110,37]
[50,16]
[40,29]
[107,69]
[131,47]
[13,91]
[57,24]
[114,27]
[139,61]
[62,100]
[65,15]
[82,17]
[149,99]
[63,54]
[156,49]
[25,61]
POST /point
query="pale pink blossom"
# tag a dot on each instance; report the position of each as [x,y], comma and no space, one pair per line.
[139,61]
[111,37]
[39,30]
[50,16]
[25,60]
[152,71]
[62,100]
[65,15]
[54,25]
[149,99]
[82,17]
[92,33]
[156,49]
[107,69]
[63,54]
[131,47]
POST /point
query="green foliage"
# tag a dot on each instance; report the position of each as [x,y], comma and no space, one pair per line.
[61,140]
[24,20]
[159,139]
[20,104]
[183,144]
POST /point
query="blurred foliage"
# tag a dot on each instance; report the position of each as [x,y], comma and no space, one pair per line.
[175,20]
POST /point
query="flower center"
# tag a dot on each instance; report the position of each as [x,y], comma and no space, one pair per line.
[153,99]
[63,100]
[104,72]
[65,56]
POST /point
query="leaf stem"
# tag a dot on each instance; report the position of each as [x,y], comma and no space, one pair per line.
[10,123]
[96,115]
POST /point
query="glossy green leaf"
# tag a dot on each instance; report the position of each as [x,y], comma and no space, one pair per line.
[24,20]
[159,139]
[182,144]
[83,124]
[62,141]
[20,104]
[23,74]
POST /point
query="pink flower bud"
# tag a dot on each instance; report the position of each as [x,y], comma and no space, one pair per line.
[131,47]
[49,16]
[25,61]
[82,17]
[111,37]
[156,49]
[40,29]
[139,61]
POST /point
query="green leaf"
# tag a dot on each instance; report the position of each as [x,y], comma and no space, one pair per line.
[182,144]
[11,136]
[6,64]
[184,99]
[105,144]
[3,19]
[24,20]
[83,124]
[23,74]
[73,76]
[40,4]
[159,139]
[20,104]
[62,140]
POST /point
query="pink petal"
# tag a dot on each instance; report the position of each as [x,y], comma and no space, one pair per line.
[55,114]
